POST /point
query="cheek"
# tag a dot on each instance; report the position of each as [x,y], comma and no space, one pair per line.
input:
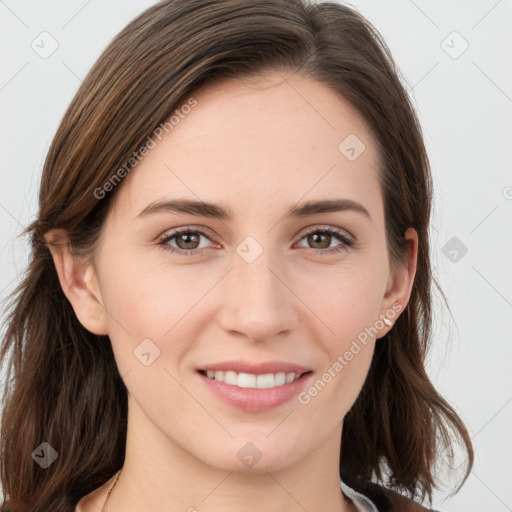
[152,302]
[348,353]
[348,303]
[150,297]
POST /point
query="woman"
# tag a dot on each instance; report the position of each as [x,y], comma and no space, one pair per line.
[228,304]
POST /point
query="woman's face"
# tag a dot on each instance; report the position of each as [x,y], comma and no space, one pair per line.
[264,283]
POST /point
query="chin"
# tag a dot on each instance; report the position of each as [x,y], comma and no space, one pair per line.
[256,455]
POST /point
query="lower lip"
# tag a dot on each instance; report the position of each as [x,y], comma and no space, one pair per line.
[253,399]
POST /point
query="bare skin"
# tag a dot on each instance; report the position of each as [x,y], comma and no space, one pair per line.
[257,148]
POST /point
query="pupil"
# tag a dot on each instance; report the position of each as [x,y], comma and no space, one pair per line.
[317,239]
[185,238]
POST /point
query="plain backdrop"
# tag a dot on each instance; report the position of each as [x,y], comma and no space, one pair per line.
[454,57]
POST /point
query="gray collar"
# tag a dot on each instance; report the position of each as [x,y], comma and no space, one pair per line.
[362,503]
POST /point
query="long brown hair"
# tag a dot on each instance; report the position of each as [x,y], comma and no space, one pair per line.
[63,386]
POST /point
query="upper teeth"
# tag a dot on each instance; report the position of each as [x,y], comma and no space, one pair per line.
[249,380]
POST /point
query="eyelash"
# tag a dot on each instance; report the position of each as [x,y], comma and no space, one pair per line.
[346,241]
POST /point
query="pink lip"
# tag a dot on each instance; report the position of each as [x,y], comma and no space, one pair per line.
[252,399]
[256,368]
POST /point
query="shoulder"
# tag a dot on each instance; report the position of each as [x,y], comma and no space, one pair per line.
[387,500]
[400,503]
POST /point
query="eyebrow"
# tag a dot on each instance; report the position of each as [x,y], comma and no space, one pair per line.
[216,211]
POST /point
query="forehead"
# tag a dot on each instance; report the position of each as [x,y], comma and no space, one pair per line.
[252,143]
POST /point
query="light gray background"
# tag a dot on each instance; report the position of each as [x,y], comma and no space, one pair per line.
[464,100]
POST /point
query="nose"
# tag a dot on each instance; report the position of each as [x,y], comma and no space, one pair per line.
[257,300]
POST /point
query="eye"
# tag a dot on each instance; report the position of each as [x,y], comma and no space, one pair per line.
[321,238]
[185,241]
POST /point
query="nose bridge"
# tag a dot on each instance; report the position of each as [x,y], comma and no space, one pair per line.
[256,279]
[257,303]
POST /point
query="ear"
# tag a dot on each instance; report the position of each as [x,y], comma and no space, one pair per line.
[400,283]
[79,283]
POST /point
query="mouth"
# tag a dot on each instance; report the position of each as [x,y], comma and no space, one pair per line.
[254,387]
[252,380]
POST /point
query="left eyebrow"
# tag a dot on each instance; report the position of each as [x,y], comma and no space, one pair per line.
[327,206]
[216,211]
[198,208]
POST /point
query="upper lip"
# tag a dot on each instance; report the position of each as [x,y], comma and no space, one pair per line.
[256,368]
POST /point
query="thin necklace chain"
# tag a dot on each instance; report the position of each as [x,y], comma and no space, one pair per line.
[110,491]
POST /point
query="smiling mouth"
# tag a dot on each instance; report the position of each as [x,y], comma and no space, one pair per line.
[251,380]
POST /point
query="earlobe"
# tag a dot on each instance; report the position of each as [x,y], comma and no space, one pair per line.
[79,283]
[400,284]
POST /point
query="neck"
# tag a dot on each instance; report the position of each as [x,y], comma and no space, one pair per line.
[159,475]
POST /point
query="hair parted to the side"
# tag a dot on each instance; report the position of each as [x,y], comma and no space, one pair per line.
[63,386]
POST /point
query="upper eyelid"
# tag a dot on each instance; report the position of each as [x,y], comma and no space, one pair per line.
[326,227]
[186,229]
